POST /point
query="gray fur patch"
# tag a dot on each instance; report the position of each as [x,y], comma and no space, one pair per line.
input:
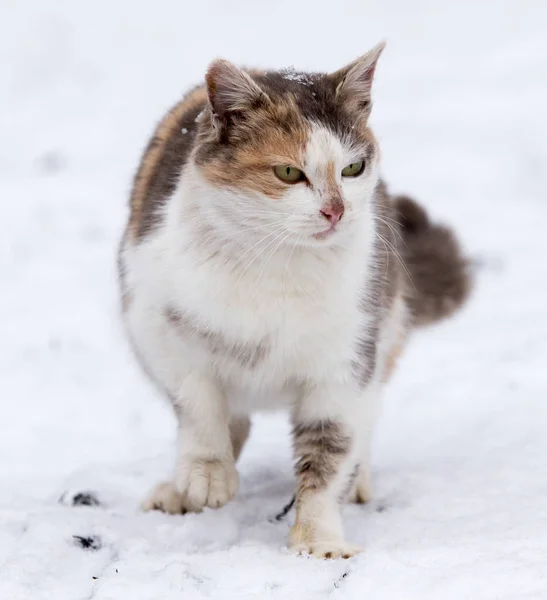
[319,448]
[247,355]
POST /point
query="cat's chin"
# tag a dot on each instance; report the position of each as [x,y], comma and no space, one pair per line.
[324,239]
[326,234]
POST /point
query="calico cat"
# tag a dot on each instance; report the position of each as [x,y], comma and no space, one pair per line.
[264,264]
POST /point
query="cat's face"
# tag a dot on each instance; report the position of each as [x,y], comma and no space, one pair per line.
[289,154]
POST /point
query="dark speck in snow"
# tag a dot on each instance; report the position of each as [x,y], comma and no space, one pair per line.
[85,499]
[88,542]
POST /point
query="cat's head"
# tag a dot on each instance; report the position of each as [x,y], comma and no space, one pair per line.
[289,154]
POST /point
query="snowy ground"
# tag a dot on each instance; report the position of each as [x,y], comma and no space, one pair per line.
[461,452]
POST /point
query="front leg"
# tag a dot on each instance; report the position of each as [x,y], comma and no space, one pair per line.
[326,445]
[205,472]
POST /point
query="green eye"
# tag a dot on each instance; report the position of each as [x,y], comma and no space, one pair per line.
[289,174]
[354,169]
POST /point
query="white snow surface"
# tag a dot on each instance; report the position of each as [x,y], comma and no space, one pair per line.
[460,463]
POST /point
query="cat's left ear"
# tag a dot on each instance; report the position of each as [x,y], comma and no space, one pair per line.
[354,82]
[230,90]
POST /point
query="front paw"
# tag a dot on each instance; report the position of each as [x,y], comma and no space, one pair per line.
[207,482]
[165,497]
[327,549]
[305,540]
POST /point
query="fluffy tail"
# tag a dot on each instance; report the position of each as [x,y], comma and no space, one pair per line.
[440,274]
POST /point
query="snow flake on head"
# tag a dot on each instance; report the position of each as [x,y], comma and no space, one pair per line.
[291,74]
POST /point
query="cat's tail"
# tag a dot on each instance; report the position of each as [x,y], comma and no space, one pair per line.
[440,275]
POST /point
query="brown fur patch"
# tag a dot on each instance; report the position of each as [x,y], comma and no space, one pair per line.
[332,199]
[330,177]
[319,447]
[247,355]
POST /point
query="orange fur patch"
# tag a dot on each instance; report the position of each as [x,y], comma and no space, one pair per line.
[251,163]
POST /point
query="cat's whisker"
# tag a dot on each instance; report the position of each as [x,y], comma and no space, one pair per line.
[248,266]
[295,282]
[264,226]
[391,228]
[251,248]
[386,270]
[262,270]
[384,216]
[397,255]
[286,270]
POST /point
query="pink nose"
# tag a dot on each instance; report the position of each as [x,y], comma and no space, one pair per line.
[332,213]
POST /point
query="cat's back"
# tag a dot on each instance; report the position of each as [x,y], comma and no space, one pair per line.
[161,163]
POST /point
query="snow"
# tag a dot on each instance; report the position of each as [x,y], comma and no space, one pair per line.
[290,74]
[461,452]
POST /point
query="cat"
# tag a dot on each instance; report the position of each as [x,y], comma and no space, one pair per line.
[265,264]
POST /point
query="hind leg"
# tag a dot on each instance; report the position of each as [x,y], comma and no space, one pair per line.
[239,433]
[390,348]
[361,491]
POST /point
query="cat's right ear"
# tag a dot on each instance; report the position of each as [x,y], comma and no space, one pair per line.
[230,90]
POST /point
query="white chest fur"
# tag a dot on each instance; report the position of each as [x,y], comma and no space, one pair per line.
[259,330]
